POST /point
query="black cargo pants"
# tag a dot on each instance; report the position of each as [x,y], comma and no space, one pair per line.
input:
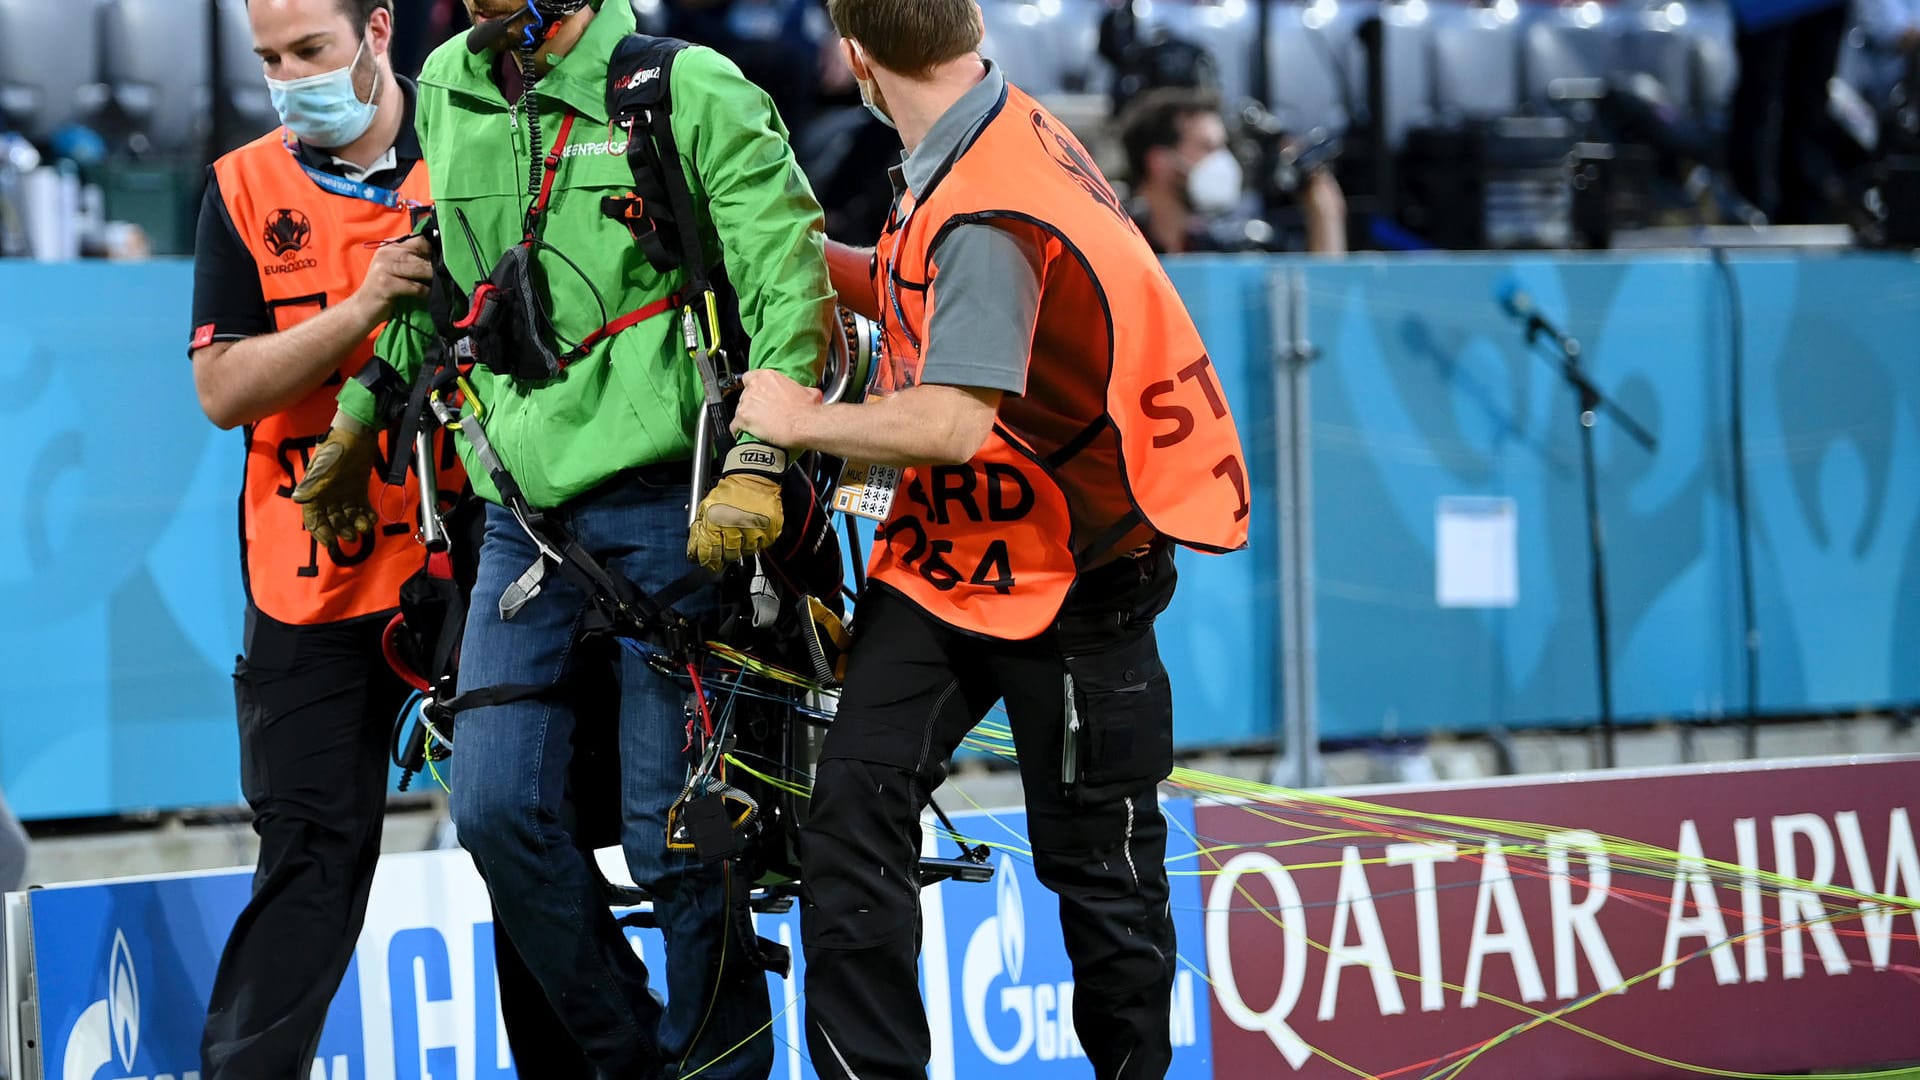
[914,688]
[316,710]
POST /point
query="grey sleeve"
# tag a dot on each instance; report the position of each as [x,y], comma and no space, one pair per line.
[985,300]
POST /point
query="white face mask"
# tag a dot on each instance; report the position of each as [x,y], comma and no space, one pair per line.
[1214,183]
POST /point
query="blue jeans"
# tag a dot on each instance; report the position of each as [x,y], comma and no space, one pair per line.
[508,804]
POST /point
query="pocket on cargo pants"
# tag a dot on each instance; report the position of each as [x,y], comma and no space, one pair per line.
[1119,722]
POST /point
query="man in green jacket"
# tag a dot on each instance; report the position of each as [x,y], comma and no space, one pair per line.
[603,448]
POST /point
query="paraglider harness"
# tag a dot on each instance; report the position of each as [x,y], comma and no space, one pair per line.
[763,672]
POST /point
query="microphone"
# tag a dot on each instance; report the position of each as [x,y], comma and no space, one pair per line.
[1515,302]
[488,34]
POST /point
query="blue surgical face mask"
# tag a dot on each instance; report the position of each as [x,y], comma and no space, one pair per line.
[878,113]
[324,111]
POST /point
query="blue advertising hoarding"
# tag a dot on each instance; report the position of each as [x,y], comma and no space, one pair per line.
[124,969]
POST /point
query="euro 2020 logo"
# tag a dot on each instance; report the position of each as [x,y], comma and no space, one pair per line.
[287,232]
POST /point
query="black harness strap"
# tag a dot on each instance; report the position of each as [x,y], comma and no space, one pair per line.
[437,374]
[639,99]
[488,696]
[1112,535]
[1079,443]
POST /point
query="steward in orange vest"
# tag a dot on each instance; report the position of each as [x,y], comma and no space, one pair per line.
[311,248]
[1044,427]
[1122,432]
[293,278]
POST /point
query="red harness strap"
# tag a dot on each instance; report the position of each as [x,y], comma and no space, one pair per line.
[390,649]
[551,171]
[631,319]
[539,207]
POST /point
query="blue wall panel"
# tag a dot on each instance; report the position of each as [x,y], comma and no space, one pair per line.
[1219,639]
[1426,389]
[1833,415]
[120,597]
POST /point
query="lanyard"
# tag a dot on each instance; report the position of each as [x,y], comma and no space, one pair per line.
[893,273]
[350,189]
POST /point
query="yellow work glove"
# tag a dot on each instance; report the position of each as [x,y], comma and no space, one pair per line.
[333,495]
[741,516]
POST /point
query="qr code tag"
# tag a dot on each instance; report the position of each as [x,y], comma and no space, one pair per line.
[867,491]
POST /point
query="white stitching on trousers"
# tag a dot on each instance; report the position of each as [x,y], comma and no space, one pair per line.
[1127,846]
[838,1056]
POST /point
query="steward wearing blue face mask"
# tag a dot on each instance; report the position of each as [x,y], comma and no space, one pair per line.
[290,290]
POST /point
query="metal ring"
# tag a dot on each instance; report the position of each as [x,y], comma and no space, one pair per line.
[850,353]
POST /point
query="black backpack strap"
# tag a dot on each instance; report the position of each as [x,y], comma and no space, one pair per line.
[640,101]
[666,223]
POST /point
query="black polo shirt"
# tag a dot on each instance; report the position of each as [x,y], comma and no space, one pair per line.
[228,304]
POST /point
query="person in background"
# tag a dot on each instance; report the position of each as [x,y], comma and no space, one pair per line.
[1788,50]
[1188,185]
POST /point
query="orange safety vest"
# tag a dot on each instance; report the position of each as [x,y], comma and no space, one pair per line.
[311,247]
[1123,431]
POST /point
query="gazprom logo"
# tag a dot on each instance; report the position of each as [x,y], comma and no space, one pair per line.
[997,956]
[123,1001]
[1012,916]
[105,1040]
[1012,1020]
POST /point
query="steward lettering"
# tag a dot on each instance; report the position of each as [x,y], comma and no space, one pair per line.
[954,484]
[918,493]
[1201,371]
[1181,417]
[1235,472]
[937,570]
[999,478]
[929,558]
[907,523]
[999,562]
[1009,494]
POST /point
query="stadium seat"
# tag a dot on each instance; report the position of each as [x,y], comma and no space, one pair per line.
[1011,43]
[49,65]
[246,89]
[1406,45]
[1656,42]
[1226,31]
[1072,34]
[1476,60]
[1715,66]
[155,63]
[1316,63]
[1567,41]
[1047,46]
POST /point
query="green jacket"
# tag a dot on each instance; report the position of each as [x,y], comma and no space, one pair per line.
[633,400]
